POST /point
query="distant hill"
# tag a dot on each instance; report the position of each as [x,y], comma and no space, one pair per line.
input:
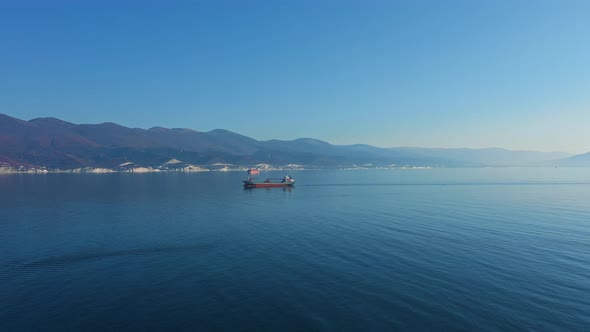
[56,143]
[580,160]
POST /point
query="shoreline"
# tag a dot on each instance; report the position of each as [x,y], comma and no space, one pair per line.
[139,170]
[143,170]
[197,169]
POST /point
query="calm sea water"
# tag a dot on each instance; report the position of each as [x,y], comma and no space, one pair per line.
[439,249]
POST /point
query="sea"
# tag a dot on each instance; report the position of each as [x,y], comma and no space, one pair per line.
[442,249]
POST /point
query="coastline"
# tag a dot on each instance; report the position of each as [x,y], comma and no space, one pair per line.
[4,170]
[138,170]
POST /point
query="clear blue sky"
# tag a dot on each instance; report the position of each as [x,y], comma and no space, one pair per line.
[513,74]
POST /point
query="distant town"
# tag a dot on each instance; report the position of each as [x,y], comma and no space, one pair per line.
[175,165]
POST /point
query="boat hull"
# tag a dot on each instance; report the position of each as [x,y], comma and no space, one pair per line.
[250,184]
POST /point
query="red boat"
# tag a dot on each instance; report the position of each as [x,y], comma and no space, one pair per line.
[287,181]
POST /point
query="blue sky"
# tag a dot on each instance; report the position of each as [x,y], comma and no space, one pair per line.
[512,74]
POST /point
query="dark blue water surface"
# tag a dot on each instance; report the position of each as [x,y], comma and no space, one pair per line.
[436,249]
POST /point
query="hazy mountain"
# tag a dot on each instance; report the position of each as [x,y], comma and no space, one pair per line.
[490,156]
[59,144]
[580,160]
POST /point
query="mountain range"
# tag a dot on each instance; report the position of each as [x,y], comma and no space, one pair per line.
[54,143]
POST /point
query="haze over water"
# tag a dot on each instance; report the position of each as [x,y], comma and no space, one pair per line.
[502,249]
